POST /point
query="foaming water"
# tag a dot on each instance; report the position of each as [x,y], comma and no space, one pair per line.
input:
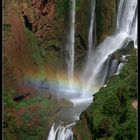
[61,132]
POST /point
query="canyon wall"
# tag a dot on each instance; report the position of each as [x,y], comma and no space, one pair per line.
[34,35]
[41,27]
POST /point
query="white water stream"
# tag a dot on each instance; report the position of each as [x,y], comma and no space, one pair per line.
[127,18]
[71,40]
[61,132]
[91,26]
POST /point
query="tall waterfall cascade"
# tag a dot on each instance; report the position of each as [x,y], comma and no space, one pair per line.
[127,18]
[91,26]
[126,31]
[71,40]
[95,72]
[100,55]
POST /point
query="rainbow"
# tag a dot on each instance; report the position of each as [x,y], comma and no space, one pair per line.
[53,82]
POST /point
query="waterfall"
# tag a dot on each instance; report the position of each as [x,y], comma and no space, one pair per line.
[127,18]
[111,67]
[100,55]
[52,133]
[133,32]
[90,33]
[120,8]
[119,68]
[126,29]
[61,132]
[71,40]
[98,67]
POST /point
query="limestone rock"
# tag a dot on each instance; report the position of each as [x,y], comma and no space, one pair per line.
[64,103]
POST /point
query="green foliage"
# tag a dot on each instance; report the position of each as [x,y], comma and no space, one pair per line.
[25,133]
[37,52]
[43,115]
[6,27]
[8,95]
[105,19]
[82,27]
[34,101]
[109,107]
[61,7]
[113,115]
[26,117]
[6,30]
[78,4]
[99,18]
[127,130]
[33,132]
[80,130]
[29,129]
[26,103]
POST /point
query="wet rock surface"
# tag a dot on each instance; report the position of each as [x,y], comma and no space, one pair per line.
[64,103]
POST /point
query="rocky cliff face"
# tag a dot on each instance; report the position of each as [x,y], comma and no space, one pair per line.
[105,18]
[33,31]
[39,14]
[105,23]
[45,20]
[30,47]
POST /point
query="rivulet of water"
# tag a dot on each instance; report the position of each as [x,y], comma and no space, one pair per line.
[71,40]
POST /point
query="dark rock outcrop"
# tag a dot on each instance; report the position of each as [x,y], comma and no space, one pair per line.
[21,97]
[64,103]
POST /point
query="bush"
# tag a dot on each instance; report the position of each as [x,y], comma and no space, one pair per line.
[114,103]
[111,116]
